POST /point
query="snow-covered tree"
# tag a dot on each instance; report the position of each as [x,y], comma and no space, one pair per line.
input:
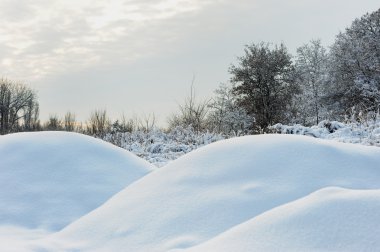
[226,116]
[355,65]
[311,68]
[264,79]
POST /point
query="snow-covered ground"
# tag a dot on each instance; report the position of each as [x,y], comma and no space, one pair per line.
[267,192]
[330,219]
[49,179]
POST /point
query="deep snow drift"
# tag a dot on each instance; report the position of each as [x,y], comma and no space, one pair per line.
[331,219]
[49,179]
[215,188]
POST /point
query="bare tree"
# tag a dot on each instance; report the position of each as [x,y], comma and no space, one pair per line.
[99,123]
[191,113]
[53,124]
[69,122]
[148,122]
[18,104]
[31,121]
[128,125]
[125,125]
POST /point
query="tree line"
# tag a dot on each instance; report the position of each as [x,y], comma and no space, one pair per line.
[267,86]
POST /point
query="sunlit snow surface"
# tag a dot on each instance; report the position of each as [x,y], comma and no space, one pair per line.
[254,193]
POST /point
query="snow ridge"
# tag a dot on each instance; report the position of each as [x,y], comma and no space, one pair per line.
[217,187]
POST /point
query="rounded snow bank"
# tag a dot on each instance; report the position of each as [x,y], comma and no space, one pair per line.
[331,219]
[49,179]
[217,187]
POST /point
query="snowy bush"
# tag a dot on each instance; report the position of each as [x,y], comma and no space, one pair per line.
[367,133]
[159,147]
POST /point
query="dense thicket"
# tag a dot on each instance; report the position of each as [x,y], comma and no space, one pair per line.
[355,66]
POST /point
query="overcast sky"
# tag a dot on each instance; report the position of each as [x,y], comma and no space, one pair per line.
[139,56]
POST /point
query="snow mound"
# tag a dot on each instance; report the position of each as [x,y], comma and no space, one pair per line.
[331,219]
[49,179]
[215,188]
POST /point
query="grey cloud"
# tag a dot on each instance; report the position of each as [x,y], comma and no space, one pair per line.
[16,11]
[62,42]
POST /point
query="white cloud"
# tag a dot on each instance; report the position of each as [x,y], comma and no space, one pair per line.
[51,37]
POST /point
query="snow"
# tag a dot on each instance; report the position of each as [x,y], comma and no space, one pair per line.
[240,181]
[160,148]
[14,238]
[330,219]
[49,179]
[367,133]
